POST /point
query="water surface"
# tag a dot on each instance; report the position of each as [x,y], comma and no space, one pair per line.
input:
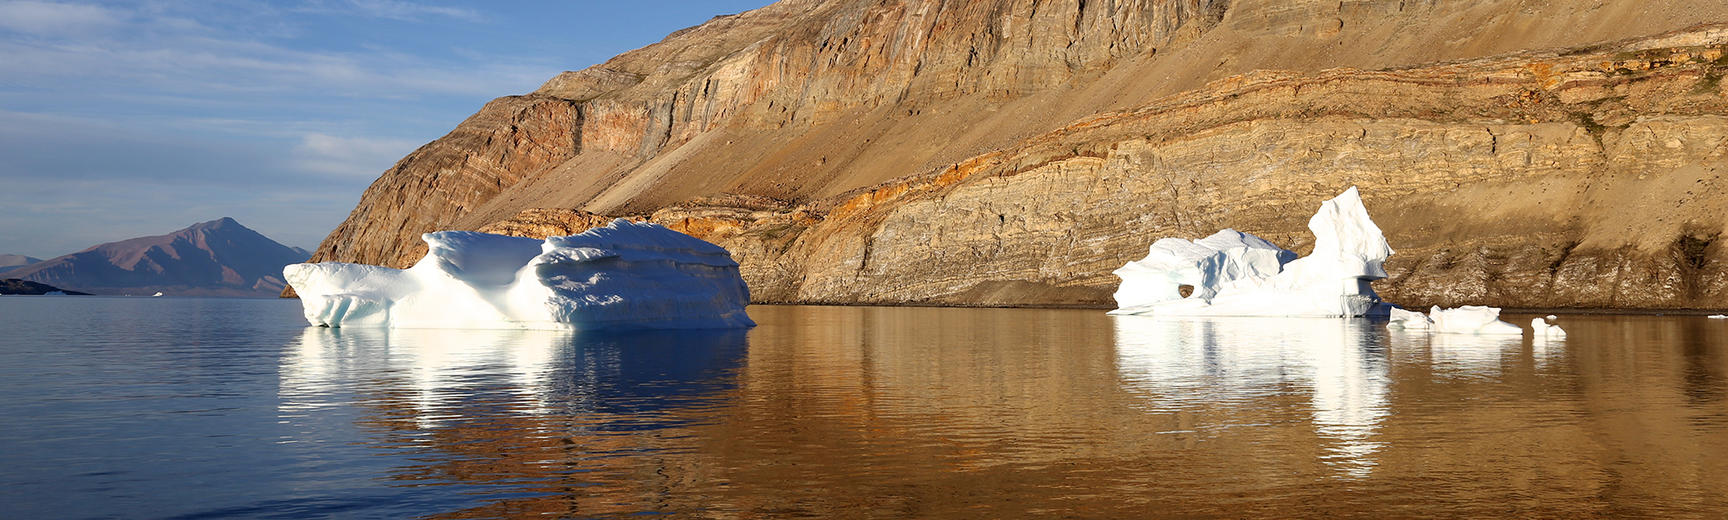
[190,408]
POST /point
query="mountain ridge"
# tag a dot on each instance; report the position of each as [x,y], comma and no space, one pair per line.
[215,258]
[9,262]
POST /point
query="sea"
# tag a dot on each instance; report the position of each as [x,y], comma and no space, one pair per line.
[218,408]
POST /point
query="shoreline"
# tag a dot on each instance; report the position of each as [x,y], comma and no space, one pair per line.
[1424,308]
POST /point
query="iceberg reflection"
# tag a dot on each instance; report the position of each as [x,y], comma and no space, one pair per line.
[538,371]
[1462,355]
[1178,364]
[534,412]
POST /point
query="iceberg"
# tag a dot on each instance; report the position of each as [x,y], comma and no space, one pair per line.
[625,275]
[1471,319]
[1408,320]
[1232,273]
[1545,328]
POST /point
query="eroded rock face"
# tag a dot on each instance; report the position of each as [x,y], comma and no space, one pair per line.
[1013,153]
[541,223]
[510,139]
[1490,198]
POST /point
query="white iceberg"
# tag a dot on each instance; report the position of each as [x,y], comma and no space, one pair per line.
[625,275]
[1408,320]
[1471,319]
[1232,273]
[1545,328]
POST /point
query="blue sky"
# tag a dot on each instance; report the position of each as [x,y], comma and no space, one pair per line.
[124,119]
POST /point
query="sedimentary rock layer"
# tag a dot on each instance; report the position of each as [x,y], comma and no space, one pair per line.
[1013,153]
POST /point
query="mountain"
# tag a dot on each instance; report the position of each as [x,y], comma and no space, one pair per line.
[10,262]
[1564,153]
[215,258]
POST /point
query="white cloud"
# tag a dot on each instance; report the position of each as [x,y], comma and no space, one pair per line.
[128,118]
[51,18]
[349,156]
[394,10]
[171,49]
[207,64]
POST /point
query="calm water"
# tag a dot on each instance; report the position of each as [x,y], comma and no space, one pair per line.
[186,408]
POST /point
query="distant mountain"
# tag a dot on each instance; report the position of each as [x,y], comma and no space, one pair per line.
[16,287]
[10,262]
[215,258]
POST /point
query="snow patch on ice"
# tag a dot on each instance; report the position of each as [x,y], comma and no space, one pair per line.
[1239,274]
[625,275]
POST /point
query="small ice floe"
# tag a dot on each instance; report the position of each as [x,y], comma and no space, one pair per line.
[1232,273]
[1409,320]
[1471,319]
[1545,328]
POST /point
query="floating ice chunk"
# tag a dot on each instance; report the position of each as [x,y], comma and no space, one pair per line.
[1232,273]
[1544,328]
[1409,320]
[1471,319]
[624,275]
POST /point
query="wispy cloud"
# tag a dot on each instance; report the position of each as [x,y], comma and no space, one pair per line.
[51,18]
[363,157]
[393,10]
[205,65]
[170,49]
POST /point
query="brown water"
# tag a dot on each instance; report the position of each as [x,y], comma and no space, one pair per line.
[851,412]
[897,412]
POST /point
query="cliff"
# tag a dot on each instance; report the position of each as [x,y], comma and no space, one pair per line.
[1537,154]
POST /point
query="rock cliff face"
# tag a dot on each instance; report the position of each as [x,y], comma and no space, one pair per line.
[1535,154]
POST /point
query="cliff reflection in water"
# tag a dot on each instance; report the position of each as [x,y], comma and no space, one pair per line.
[895,412]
